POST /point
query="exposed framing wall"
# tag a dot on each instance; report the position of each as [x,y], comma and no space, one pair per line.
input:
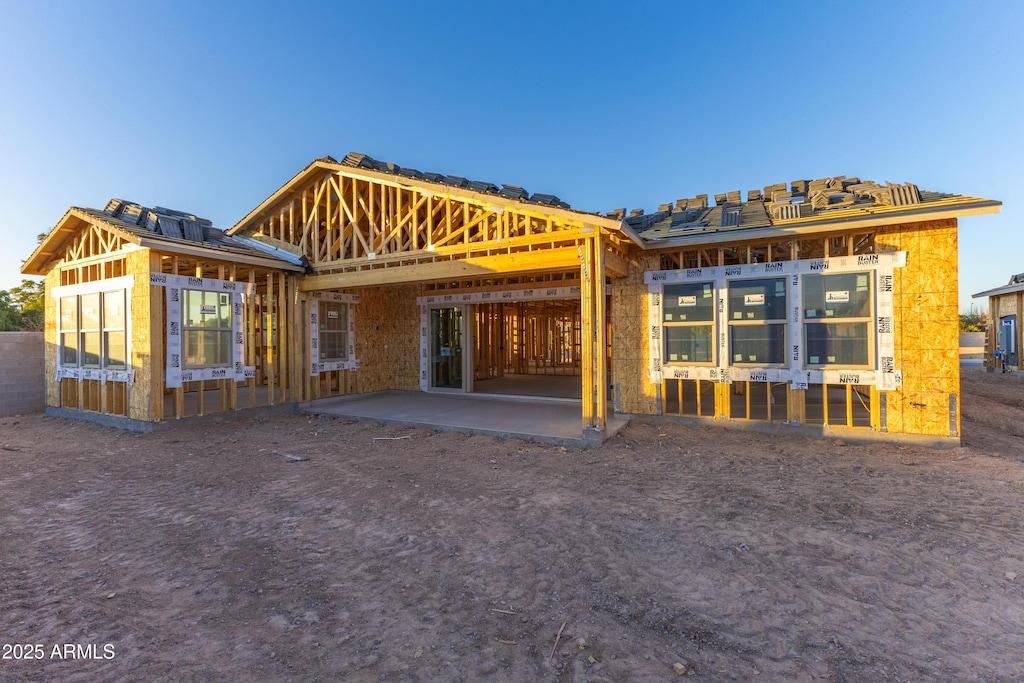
[1001,306]
[103,392]
[141,393]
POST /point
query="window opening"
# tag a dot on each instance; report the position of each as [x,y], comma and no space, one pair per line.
[333,331]
[69,331]
[93,330]
[114,345]
[757,321]
[689,319]
[207,329]
[89,330]
[837,320]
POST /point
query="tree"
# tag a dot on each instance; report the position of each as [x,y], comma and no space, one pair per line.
[22,307]
[10,316]
[974,322]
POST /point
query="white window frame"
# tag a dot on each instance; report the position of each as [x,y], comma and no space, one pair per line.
[865,320]
[666,325]
[880,371]
[733,322]
[175,375]
[188,326]
[103,370]
[325,332]
[314,310]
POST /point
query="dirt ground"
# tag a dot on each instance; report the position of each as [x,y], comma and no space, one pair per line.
[294,548]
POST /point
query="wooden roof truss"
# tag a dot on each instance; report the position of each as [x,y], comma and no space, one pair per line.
[92,241]
[347,224]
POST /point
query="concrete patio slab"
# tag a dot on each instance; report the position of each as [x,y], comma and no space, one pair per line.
[549,420]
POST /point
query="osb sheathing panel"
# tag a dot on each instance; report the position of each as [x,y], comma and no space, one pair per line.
[925,298]
[137,265]
[1003,305]
[630,344]
[388,338]
[50,338]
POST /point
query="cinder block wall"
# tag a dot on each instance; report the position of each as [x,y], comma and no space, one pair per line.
[22,381]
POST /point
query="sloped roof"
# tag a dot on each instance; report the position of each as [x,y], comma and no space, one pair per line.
[158,228]
[358,160]
[481,192]
[824,204]
[802,206]
[1016,284]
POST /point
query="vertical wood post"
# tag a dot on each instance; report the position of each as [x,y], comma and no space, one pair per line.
[232,384]
[284,330]
[157,353]
[269,350]
[601,330]
[202,384]
[179,391]
[587,332]
[252,325]
[222,384]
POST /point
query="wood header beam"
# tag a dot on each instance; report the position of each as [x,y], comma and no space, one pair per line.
[562,258]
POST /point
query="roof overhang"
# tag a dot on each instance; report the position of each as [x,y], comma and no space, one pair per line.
[214,254]
[1005,289]
[49,248]
[75,219]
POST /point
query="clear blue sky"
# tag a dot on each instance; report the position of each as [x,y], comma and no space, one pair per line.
[211,106]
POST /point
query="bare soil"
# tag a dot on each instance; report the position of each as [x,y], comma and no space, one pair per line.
[288,547]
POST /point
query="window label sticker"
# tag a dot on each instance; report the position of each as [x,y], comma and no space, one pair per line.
[688,300]
[753,299]
[838,296]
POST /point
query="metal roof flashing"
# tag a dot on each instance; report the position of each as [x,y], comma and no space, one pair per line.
[276,252]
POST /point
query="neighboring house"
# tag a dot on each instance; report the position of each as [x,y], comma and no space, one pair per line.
[830,303]
[1004,336]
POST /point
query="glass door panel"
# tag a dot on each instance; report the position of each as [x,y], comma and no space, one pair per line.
[446,348]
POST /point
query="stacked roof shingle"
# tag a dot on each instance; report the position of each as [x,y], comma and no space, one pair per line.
[357,160]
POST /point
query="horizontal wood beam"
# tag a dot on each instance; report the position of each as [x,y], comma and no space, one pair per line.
[480,266]
[545,240]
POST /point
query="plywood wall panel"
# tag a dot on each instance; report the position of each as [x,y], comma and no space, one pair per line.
[387,339]
[52,344]
[1003,305]
[143,361]
[630,345]
[927,324]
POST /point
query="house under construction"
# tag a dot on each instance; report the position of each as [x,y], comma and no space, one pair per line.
[829,303]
